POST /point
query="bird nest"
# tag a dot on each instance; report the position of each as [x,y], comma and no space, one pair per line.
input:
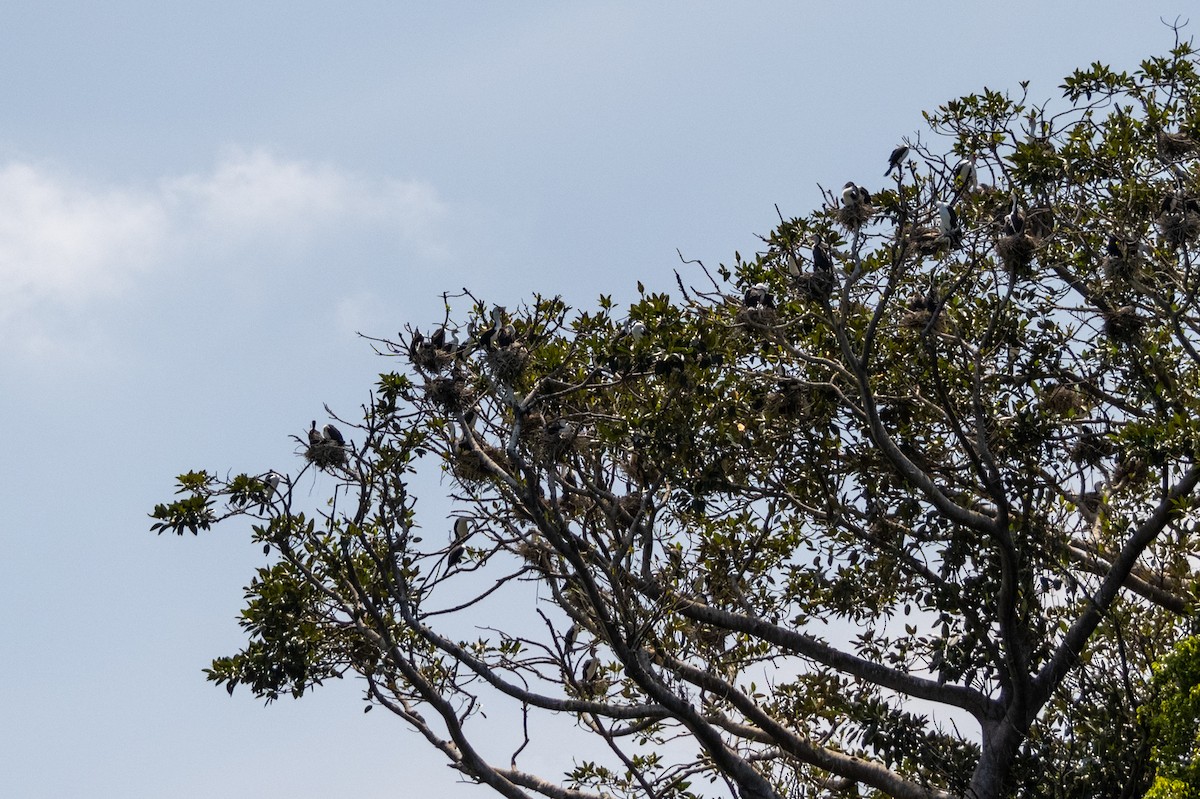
[815,286]
[919,316]
[926,242]
[854,216]
[471,464]
[429,358]
[1179,227]
[326,454]
[509,362]
[1120,269]
[758,317]
[449,393]
[1123,324]
[1063,401]
[1091,448]
[1017,254]
[789,400]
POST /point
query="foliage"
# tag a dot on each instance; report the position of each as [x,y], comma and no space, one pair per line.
[903,505]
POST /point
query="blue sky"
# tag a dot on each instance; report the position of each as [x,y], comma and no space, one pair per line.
[202,203]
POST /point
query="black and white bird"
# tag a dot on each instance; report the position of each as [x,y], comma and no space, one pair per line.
[853,194]
[331,435]
[315,439]
[570,637]
[966,177]
[896,159]
[948,221]
[271,480]
[637,331]
[456,555]
[444,339]
[793,263]
[821,260]
[1014,220]
[759,296]
[462,530]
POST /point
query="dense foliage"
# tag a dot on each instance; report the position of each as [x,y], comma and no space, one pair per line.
[901,506]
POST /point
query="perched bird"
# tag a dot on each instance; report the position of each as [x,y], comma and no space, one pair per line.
[821,259]
[759,296]
[331,435]
[947,220]
[444,339]
[570,637]
[462,530]
[853,194]
[590,670]
[637,331]
[965,175]
[271,480]
[456,555]
[314,436]
[896,159]
[1014,220]
[793,263]
[486,337]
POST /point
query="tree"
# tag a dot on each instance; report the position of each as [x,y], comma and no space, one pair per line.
[904,505]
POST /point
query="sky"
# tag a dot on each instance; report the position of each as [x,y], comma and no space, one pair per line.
[203,204]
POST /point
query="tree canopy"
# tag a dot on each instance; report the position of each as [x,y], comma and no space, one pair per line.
[902,505]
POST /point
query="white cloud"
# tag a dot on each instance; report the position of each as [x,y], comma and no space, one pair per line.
[67,246]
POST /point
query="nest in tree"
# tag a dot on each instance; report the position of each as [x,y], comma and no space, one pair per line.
[533,426]
[1120,269]
[789,400]
[1174,145]
[926,242]
[758,317]
[471,463]
[452,393]
[1017,253]
[1063,401]
[854,216]
[429,358]
[1123,324]
[508,362]
[1180,226]
[326,454]
[815,286]
[919,315]
[1091,448]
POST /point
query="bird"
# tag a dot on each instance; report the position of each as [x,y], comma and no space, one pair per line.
[569,638]
[821,259]
[331,434]
[591,669]
[462,530]
[637,330]
[947,220]
[965,174]
[456,555]
[314,436]
[1014,220]
[444,339]
[896,158]
[759,296]
[271,480]
[853,194]
[793,264]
